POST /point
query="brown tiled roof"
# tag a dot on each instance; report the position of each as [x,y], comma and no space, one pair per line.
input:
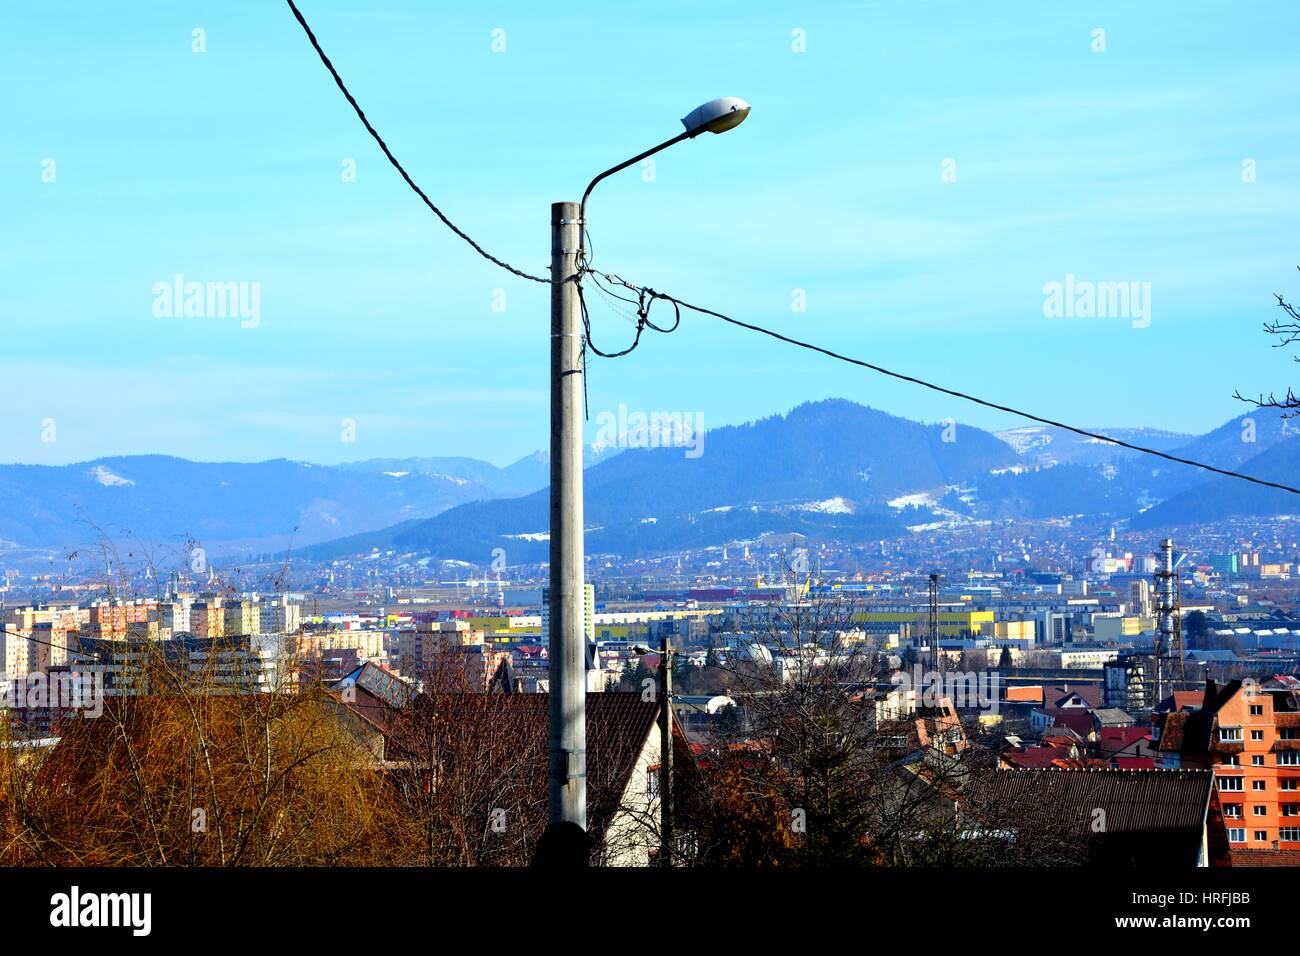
[1264,858]
[1135,800]
[1149,814]
[618,725]
[1173,731]
[1091,694]
[1189,732]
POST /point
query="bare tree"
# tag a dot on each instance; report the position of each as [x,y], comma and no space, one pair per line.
[467,770]
[1287,332]
[822,766]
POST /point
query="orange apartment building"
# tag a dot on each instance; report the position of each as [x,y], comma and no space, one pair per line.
[208,618]
[35,639]
[1249,735]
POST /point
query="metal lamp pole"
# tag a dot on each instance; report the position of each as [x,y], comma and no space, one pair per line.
[567,763]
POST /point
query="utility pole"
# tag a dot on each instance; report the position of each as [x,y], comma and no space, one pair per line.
[666,753]
[567,766]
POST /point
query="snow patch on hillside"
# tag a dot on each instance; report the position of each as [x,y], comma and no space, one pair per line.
[831,506]
[107,478]
[919,499]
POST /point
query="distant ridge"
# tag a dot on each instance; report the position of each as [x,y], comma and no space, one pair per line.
[832,469]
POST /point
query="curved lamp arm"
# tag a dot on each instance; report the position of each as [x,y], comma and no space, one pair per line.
[582,207]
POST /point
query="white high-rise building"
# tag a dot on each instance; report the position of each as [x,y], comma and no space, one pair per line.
[280,615]
[588,614]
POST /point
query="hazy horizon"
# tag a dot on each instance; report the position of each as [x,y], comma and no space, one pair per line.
[499,462]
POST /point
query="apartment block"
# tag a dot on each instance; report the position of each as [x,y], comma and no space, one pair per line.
[1249,735]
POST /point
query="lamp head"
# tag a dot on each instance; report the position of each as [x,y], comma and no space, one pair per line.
[716,116]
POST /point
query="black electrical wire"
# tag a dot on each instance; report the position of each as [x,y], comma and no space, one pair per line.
[28,637]
[831,353]
[393,159]
[646,297]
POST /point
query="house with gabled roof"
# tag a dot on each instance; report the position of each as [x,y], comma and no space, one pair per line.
[623,750]
[1163,818]
[1067,706]
[1115,744]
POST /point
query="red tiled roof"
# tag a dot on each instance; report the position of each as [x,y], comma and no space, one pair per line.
[1080,723]
[1061,737]
[1181,700]
[1046,758]
[1115,739]
[1029,695]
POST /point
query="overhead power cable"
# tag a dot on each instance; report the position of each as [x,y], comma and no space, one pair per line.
[646,297]
[393,159]
[831,353]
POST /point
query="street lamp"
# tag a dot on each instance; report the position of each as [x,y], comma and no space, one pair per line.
[715,116]
[665,693]
[567,757]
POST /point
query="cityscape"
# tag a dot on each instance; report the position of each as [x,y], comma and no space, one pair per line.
[970,540]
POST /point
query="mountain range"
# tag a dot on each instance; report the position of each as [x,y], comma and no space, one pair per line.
[241,507]
[832,468]
[841,470]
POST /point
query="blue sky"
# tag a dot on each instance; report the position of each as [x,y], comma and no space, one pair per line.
[1122,165]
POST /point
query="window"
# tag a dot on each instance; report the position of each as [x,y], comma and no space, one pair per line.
[1261,835]
[1260,811]
[1291,809]
[1229,783]
[1232,811]
[1289,783]
[1257,735]
[1233,761]
[1257,710]
[1258,785]
[1289,733]
[1289,758]
[1290,834]
[1236,835]
[1230,735]
[1257,760]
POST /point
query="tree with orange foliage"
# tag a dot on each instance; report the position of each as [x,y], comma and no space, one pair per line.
[198,772]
